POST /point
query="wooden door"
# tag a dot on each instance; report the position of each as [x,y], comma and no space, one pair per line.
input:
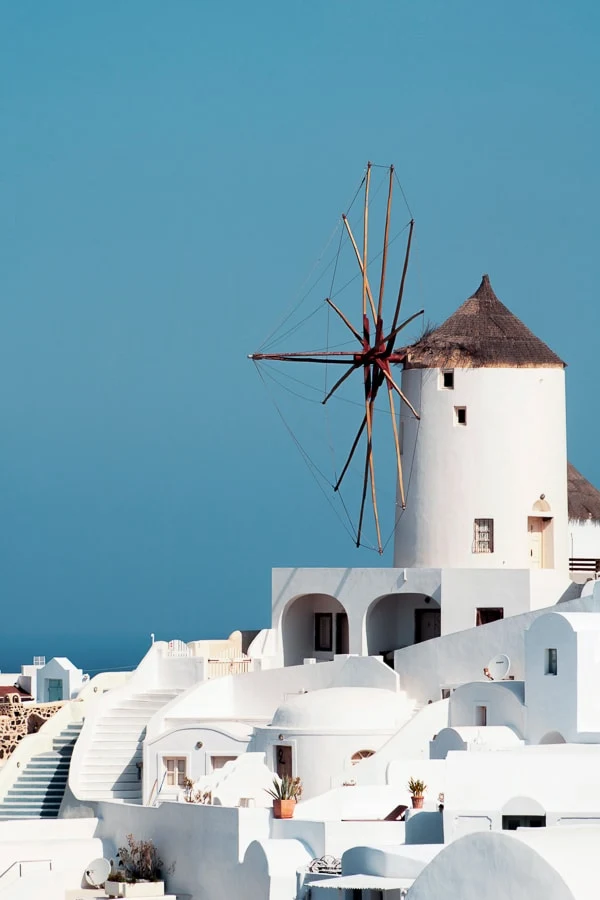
[283,760]
[428,624]
[55,690]
[536,542]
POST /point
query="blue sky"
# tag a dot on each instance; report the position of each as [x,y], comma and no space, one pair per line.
[170,172]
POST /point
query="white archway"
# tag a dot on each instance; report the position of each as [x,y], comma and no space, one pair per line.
[313,625]
[400,620]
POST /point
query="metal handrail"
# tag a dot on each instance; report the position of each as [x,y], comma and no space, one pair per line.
[24,862]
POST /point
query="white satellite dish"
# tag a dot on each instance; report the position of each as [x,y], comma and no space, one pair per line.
[499,667]
[97,872]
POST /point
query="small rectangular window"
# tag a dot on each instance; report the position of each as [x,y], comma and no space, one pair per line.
[483,536]
[486,614]
[324,631]
[481,715]
[460,415]
[511,823]
[551,661]
[176,771]
[448,379]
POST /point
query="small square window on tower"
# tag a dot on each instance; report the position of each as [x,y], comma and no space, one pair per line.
[483,536]
[448,379]
[460,415]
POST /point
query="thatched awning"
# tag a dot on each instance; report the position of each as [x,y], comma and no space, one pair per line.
[481,333]
[584,498]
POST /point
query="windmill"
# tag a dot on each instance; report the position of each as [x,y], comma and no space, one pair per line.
[375,354]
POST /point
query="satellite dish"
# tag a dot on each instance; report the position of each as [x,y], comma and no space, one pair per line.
[498,667]
[97,872]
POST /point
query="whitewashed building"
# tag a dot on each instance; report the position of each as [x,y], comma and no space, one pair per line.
[366,678]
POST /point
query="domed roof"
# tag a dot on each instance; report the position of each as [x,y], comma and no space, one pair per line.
[342,708]
[482,333]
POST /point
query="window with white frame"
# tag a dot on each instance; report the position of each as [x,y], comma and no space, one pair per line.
[483,536]
[176,771]
[460,415]
[447,379]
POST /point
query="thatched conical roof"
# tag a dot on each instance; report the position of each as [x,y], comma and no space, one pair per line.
[481,333]
[584,498]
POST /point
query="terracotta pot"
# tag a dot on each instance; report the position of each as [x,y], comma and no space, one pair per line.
[284,809]
[417,802]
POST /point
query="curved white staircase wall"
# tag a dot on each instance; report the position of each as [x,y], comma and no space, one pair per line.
[105,761]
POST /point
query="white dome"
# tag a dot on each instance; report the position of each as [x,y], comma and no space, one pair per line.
[333,709]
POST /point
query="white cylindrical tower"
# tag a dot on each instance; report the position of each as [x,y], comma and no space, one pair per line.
[485,468]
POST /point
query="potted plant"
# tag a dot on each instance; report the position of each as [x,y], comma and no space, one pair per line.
[417,790]
[138,873]
[285,793]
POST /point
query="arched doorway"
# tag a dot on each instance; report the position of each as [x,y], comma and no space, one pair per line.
[553,737]
[313,625]
[540,527]
[400,620]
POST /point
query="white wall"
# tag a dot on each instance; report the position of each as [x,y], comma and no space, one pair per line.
[411,741]
[551,699]
[504,702]
[69,844]
[319,759]
[70,677]
[558,781]
[584,539]
[254,696]
[206,844]
[501,866]
[473,739]
[183,742]
[464,590]
[357,590]
[512,450]
[381,603]
[458,658]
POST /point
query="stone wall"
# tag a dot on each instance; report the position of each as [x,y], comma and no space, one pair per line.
[19,719]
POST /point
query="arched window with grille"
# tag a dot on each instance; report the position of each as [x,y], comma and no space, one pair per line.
[361,754]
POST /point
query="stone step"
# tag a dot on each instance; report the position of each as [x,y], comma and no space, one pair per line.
[39,778]
[32,807]
[27,814]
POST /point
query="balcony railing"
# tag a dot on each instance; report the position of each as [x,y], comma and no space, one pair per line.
[584,564]
[217,668]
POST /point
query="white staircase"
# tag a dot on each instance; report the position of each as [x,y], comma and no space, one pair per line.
[111,766]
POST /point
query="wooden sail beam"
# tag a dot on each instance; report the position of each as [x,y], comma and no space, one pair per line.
[361,266]
[391,381]
[385,245]
[351,454]
[372,473]
[319,356]
[344,319]
[403,279]
[393,334]
[366,242]
[397,446]
[340,382]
